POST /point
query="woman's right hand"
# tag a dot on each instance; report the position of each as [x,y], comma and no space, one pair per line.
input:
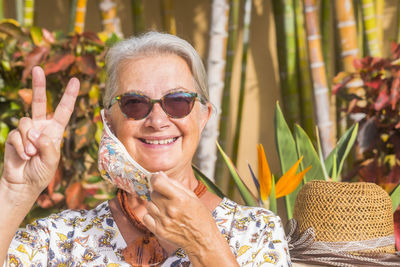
[32,151]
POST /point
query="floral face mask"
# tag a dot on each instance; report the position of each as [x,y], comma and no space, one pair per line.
[118,167]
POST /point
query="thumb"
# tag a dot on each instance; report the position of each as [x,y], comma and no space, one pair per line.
[47,150]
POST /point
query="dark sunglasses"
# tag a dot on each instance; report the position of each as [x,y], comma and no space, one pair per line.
[138,106]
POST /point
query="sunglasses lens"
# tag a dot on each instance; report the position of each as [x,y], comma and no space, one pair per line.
[135,106]
[178,105]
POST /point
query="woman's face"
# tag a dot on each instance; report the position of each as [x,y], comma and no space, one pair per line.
[158,142]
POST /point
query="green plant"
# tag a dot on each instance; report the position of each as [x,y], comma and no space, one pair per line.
[374,103]
[295,151]
[77,183]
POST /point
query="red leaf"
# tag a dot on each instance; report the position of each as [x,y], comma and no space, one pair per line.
[396,218]
[370,171]
[395,49]
[381,101]
[45,201]
[374,84]
[360,63]
[48,36]
[394,92]
[55,181]
[92,37]
[26,96]
[58,63]
[32,59]
[86,64]
[392,179]
[74,196]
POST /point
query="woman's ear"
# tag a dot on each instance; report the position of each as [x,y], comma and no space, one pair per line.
[205,116]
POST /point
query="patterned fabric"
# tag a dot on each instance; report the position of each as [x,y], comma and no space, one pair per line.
[91,238]
[118,167]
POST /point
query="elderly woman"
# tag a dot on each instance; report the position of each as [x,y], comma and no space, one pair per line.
[156,106]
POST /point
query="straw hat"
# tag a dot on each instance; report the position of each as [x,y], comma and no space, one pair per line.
[356,215]
[342,224]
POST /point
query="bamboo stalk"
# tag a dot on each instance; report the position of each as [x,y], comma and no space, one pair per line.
[245,48]
[347,32]
[28,12]
[1,9]
[167,13]
[225,106]
[80,14]
[321,98]
[379,11]
[206,156]
[305,82]
[285,29]
[398,22]
[19,7]
[72,4]
[361,39]
[110,21]
[138,16]
[369,18]
[349,49]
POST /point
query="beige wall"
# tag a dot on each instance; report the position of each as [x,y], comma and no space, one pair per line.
[193,18]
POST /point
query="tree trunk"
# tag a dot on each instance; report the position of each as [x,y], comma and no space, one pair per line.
[226,98]
[305,82]
[285,28]
[167,14]
[347,32]
[245,46]
[19,10]
[321,94]
[371,33]
[379,11]
[138,17]
[80,14]
[207,151]
[29,12]
[110,21]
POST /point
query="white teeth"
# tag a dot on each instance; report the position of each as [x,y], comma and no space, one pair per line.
[160,142]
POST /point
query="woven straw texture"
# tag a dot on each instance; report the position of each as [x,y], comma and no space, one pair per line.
[345,212]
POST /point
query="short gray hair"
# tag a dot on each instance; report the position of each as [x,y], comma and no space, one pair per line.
[153,43]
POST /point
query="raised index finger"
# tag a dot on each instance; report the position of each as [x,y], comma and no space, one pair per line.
[66,106]
[38,94]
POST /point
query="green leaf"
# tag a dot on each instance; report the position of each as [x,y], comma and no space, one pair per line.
[286,147]
[334,168]
[94,179]
[243,190]
[310,156]
[37,35]
[6,65]
[208,183]
[395,196]
[272,198]
[3,132]
[341,150]
[112,40]
[321,156]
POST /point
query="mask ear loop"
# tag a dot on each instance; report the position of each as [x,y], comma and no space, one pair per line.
[123,149]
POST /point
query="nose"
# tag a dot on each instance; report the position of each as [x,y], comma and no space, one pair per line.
[157,119]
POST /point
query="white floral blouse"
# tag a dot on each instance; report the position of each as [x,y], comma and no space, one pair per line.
[91,238]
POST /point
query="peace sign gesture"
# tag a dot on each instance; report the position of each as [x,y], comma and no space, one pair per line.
[32,150]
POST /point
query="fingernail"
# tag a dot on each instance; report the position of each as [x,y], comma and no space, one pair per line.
[25,157]
[34,134]
[31,149]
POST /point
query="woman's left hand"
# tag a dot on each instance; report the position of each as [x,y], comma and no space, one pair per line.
[177,216]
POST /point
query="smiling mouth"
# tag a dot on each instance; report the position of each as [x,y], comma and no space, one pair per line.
[159,142]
